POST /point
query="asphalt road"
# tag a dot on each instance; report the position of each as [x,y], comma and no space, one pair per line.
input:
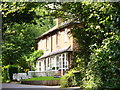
[15,86]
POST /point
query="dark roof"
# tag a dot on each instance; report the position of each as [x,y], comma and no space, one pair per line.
[58,51]
[62,25]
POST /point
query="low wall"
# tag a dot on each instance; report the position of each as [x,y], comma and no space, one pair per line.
[40,73]
[31,74]
[44,82]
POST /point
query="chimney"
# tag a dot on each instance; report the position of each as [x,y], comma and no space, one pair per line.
[58,21]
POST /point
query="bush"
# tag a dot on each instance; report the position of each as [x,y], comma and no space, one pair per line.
[7,72]
[5,75]
[78,77]
[103,69]
[12,69]
[69,80]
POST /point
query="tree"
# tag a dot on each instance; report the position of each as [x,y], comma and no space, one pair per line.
[21,25]
[98,54]
[19,32]
[31,59]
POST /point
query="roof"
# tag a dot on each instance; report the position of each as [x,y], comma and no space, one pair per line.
[58,51]
[62,25]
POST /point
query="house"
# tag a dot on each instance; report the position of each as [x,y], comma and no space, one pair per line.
[57,45]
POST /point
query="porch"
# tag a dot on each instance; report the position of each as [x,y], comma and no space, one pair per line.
[58,64]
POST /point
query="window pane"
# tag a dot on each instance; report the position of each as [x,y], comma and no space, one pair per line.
[65,35]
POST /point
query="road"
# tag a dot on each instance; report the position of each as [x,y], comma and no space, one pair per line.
[15,85]
[5,86]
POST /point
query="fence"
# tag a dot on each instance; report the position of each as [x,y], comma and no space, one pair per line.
[31,74]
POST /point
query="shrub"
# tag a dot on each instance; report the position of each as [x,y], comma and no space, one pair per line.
[103,69]
[68,80]
[7,72]
[5,75]
[78,77]
[12,69]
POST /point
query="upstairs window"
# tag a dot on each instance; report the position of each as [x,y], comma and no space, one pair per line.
[39,44]
[40,41]
[65,35]
[47,42]
[58,38]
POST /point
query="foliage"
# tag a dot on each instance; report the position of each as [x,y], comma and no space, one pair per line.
[16,43]
[22,23]
[22,12]
[41,78]
[12,69]
[33,57]
[99,44]
[19,34]
[69,79]
[98,56]
[7,72]
[16,12]
[103,69]
[19,41]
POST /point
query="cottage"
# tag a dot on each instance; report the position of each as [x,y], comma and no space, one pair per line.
[57,45]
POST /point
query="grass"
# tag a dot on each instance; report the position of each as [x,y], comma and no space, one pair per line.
[41,78]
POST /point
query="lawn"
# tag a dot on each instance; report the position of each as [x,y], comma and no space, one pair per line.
[41,78]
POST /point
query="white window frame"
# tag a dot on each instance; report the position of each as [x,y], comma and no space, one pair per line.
[58,38]
[47,41]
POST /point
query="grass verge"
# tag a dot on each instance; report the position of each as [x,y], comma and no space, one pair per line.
[41,78]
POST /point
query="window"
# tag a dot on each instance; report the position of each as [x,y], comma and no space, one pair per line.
[57,38]
[48,62]
[44,64]
[57,62]
[40,41]
[39,66]
[47,42]
[64,61]
[65,35]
